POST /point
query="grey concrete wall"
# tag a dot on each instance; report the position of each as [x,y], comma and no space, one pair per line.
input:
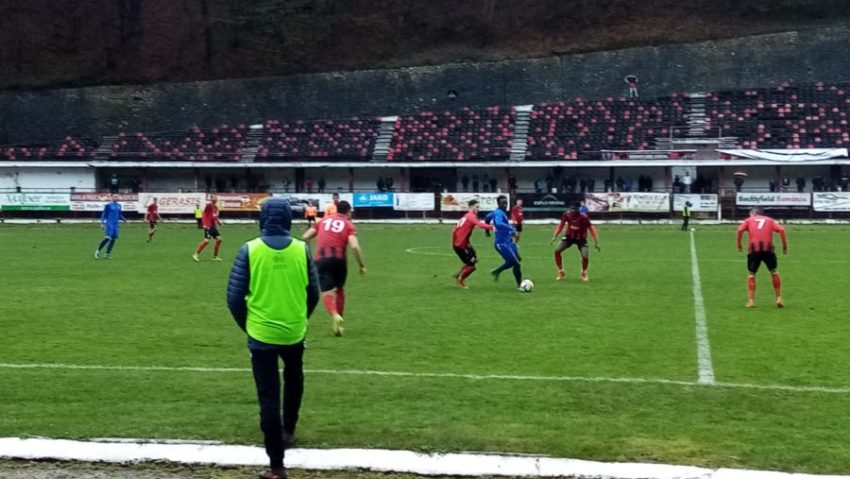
[765,60]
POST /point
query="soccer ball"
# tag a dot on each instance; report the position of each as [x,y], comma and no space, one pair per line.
[526,285]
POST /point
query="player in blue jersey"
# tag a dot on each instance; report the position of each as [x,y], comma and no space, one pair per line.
[504,243]
[109,222]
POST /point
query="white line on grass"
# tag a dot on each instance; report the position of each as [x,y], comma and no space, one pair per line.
[473,377]
[706,370]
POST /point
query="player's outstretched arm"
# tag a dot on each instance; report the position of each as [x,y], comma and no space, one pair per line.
[309,234]
[358,253]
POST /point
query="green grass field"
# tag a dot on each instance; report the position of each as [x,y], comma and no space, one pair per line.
[605,370]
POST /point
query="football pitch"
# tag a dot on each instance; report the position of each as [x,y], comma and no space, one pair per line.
[655,359]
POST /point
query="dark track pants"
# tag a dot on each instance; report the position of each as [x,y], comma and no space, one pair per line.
[264,363]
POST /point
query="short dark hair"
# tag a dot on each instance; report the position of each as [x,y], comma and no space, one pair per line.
[757,210]
[500,198]
[577,205]
[472,203]
[343,207]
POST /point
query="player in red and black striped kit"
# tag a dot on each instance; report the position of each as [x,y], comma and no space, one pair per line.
[760,229]
[210,222]
[516,219]
[577,226]
[460,241]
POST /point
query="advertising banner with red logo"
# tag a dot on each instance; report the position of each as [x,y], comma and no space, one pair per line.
[172,203]
[240,201]
[96,201]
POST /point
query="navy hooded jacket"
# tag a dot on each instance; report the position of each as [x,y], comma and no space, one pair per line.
[275,221]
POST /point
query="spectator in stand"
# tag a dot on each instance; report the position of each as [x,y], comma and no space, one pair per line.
[771,185]
[739,183]
[632,83]
[582,185]
[493,184]
[648,183]
[550,182]
[113,184]
[608,185]
[627,183]
[538,186]
[801,184]
[512,184]
[464,181]
[786,183]
[687,181]
[621,184]
[308,185]
[485,183]
[388,183]
[591,185]
[380,184]
[321,184]
[475,183]
[677,184]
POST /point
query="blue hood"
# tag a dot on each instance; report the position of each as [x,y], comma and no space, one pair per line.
[275,217]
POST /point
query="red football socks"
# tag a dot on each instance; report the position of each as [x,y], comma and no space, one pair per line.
[466,271]
[559,262]
[751,287]
[329,300]
[217,246]
[340,300]
[777,284]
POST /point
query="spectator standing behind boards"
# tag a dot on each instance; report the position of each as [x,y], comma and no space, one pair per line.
[465,182]
[801,184]
[380,184]
[687,181]
[538,186]
[485,183]
[272,291]
[475,183]
[113,184]
[308,185]
[632,82]
[322,184]
[493,184]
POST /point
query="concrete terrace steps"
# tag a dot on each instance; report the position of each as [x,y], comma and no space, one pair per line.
[519,144]
[385,138]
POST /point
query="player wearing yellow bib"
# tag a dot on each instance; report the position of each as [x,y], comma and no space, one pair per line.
[272,291]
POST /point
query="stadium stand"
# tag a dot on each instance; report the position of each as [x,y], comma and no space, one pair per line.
[327,140]
[466,134]
[574,130]
[224,143]
[783,117]
[70,149]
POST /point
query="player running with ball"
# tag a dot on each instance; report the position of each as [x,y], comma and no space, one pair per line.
[504,243]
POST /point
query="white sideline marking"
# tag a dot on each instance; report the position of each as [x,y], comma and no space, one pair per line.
[706,369]
[474,377]
[453,464]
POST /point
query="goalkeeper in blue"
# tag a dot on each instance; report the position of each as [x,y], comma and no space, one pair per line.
[505,244]
[109,222]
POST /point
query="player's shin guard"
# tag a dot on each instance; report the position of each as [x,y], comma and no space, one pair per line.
[329,300]
[584,263]
[777,284]
[217,246]
[340,301]
[751,287]
[559,261]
